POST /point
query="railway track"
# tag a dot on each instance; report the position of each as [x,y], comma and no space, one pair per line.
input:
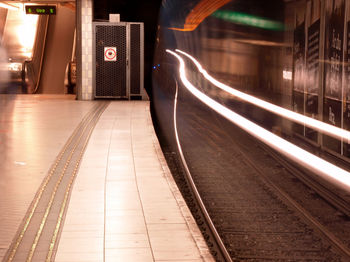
[320,238]
[202,216]
[38,235]
[334,198]
[316,187]
[324,192]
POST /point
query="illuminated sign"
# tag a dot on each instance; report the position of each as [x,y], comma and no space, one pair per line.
[248,19]
[40,9]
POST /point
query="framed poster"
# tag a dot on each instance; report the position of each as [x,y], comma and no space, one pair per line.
[346,94]
[334,38]
[299,66]
[312,64]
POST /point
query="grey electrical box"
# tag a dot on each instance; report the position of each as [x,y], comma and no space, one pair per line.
[118,60]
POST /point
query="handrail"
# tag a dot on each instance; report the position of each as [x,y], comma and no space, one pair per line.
[42,54]
[31,70]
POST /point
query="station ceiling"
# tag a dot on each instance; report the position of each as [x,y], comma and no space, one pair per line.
[38,1]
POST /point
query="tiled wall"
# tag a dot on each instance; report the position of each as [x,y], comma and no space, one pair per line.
[86,50]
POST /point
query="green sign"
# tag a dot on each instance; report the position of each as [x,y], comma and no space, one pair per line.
[40,9]
[249,20]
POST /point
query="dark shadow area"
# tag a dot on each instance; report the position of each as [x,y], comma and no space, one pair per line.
[135,11]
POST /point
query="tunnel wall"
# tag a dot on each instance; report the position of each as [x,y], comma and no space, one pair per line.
[291,54]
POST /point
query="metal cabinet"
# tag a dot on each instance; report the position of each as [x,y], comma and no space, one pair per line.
[118,60]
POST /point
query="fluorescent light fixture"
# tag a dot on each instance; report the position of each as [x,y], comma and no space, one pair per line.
[249,20]
[324,169]
[26,32]
[287,75]
[310,122]
[8,6]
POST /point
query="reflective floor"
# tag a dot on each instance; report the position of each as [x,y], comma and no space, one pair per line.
[32,131]
[124,205]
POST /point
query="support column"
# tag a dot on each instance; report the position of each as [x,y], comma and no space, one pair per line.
[84,49]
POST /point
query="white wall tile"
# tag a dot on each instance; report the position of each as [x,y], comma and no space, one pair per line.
[86,18]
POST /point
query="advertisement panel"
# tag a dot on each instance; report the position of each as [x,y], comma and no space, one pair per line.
[313,64]
[299,67]
[346,98]
[334,37]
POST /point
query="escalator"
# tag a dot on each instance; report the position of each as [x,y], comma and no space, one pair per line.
[35,50]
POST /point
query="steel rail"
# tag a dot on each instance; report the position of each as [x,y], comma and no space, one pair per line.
[224,253]
[283,195]
[342,247]
[332,197]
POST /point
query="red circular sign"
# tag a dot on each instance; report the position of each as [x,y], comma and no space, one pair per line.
[110,54]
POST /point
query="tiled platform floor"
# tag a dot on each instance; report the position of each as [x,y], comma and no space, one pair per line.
[125,205]
[33,130]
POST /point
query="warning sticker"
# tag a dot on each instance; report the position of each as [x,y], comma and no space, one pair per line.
[110,54]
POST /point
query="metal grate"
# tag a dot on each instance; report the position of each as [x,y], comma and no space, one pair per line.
[135,58]
[111,76]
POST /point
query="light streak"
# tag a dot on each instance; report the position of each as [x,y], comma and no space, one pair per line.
[192,184]
[201,11]
[317,165]
[8,6]
[298,118]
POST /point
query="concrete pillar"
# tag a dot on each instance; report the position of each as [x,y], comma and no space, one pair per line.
[84,49]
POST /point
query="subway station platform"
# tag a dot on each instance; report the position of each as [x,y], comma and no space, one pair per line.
[87,181]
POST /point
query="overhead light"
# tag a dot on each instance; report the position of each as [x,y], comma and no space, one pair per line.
[8,6]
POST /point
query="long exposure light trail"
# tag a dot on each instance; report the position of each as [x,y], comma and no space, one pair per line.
[328,171]
[298,118]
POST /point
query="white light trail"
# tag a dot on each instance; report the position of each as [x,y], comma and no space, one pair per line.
[330,130]
[317,165]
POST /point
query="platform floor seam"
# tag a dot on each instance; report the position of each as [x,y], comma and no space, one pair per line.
[185,212]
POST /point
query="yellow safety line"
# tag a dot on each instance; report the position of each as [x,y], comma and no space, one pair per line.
[63,206]
[48,208]
[39,195]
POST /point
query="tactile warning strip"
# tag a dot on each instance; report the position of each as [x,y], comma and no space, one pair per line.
[37,237]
